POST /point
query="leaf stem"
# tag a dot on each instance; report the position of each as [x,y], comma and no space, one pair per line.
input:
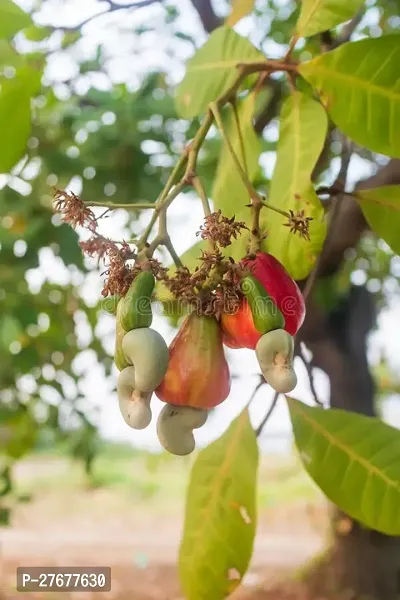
[275,209]
[131,206]
[256,202]
[199,187]
[240,137]
[220,124]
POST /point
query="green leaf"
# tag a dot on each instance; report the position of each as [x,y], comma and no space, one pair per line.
[212,70]
[15,114]
[359,85]
[354,459]
[8,56]
[10,330]
[302,134]
[13,19]
[381,208]
[240,8]
[220,519]
[320,15]
[229,192]
[35,33]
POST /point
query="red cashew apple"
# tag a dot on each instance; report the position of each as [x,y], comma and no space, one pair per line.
[238,329]
[197,374]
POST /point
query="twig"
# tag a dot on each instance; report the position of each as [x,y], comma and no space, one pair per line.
[349,29]
[111,205]
[275,209]
[240,137]
[258,386]
[332,216]
[112,7]
[220,124]
[267,416]
[292,45]
[198,186]
[256,202]
[309,367]
[163,239]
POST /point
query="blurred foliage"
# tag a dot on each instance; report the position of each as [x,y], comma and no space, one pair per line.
[107,135]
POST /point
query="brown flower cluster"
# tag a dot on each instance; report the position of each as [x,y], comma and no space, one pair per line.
[220,229]
[73,210]
[211,287]
[300,224]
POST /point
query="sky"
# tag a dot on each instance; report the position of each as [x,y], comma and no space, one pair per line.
[151,50]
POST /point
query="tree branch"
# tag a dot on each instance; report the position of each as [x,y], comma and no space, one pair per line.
[207,15]
[267,416]
[351,222]
[112,7]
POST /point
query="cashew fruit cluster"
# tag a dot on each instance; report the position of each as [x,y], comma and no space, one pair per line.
[192,375]
[270,313]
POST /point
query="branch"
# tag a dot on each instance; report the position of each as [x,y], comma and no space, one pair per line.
[207,15]
[267,416]
[112,7]
[113,205]
[309,367]
[349,29]
[351,222]
[271,109]
[333,214]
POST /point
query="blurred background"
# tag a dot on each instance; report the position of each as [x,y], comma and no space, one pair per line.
[77,486]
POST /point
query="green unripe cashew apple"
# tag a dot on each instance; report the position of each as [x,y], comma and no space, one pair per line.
[175,427]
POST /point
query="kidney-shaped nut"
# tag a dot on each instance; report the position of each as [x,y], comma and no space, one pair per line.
[134,405]
[175,427]
[274,352]
[147,351]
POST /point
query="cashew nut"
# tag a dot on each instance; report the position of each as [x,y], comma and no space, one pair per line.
[175,427]
[134,405]
[146,349]
[274,352]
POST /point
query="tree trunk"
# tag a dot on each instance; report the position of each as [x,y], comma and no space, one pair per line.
[361,563]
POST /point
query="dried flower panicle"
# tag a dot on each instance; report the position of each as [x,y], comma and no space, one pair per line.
[119,274]
[300,224]
[200,290]
[220,229]
[73,210]
[98,246]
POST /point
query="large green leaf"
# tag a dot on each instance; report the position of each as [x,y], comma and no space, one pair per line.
[359,84]
[320,15]
[302,133]
[212,70]
[12,19]
[381,208]
[15,114]
[354,459]
[240,8]
[229,192]
[220,519]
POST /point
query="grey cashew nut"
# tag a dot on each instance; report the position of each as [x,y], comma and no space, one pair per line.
[134,405]
[175,427]
[147,351]
[274,352]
